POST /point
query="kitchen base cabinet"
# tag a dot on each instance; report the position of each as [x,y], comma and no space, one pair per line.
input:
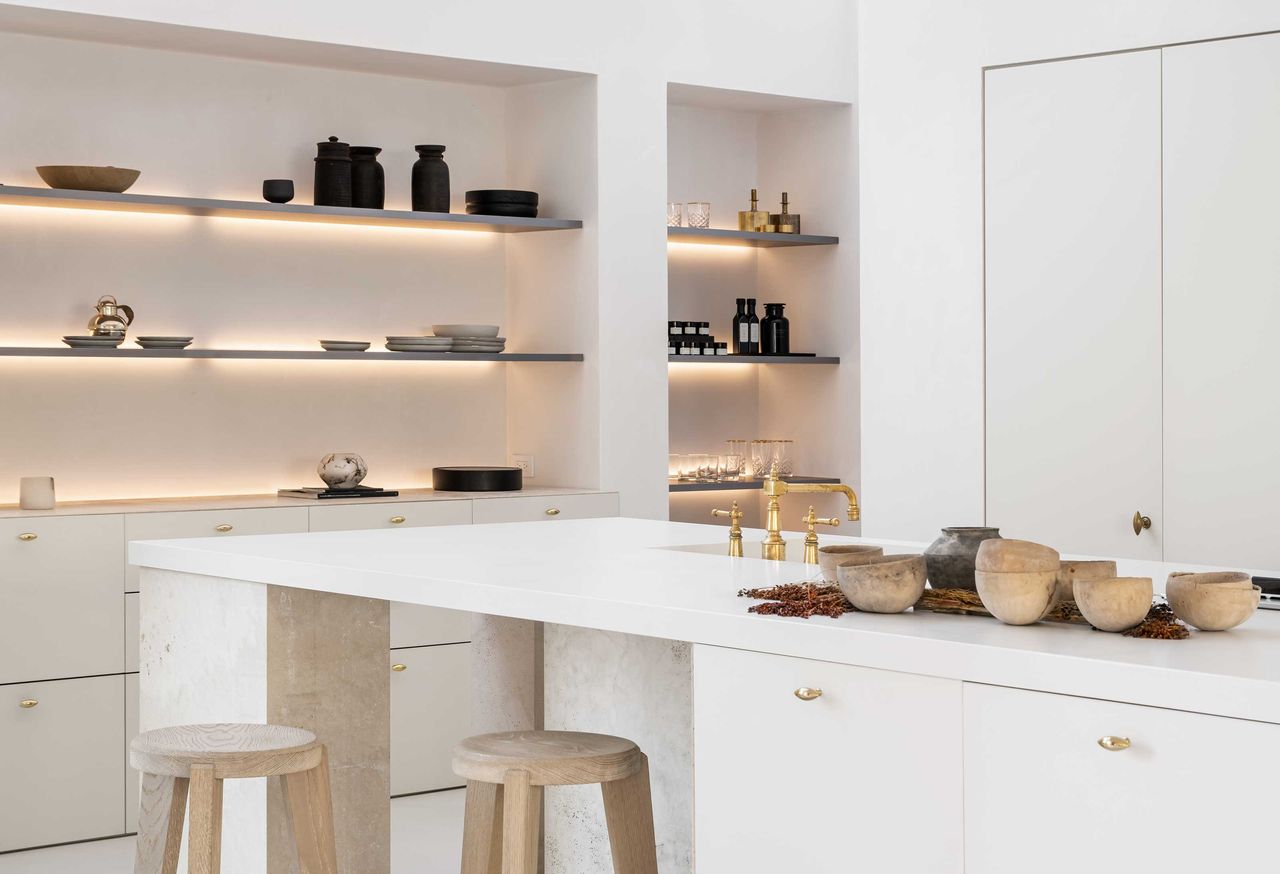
[60,763]
[822,768]
[1176,791]
[430,713]
[533,508]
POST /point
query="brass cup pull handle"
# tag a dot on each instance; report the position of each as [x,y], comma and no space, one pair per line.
[223,528]
[27,536]
[397,520]
[1140,523]
[28,703]
[1114,744]
[804,693]
[399,668]
[553,511]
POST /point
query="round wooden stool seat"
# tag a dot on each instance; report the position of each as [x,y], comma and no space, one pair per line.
[551,758]
[232,749]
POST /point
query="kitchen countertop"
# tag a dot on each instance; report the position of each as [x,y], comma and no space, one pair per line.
[629,575]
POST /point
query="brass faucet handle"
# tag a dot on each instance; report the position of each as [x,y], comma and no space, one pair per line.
[735,527]
[812,518]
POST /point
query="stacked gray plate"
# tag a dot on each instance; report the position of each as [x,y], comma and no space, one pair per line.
[345,345]
[94,342]
[164,342]
[420,344]
[479,344]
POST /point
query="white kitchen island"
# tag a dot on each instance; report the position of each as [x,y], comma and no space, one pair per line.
[940,743]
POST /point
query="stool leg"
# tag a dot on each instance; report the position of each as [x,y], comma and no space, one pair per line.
[628,811]
[482,829]
[161,810]
[204,834]
[310,802]
[521,818]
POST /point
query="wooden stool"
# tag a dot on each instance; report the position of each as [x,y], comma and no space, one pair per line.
[505,774]
[195,759]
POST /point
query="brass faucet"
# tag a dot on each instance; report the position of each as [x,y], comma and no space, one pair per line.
[774,547]
[735,528]
[812,519]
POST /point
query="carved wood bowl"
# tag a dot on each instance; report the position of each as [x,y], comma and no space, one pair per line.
[116,180]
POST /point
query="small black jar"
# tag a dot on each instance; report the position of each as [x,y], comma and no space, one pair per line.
[430,180]
[333,174]
[368,182]
[775,331]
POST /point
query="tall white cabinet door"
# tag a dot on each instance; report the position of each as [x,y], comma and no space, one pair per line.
[1073,302]
[1222,302]
[863,777]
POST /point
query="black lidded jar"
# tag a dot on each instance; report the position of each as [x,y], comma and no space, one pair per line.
[333,174]
[775,331]
[430,180]
[368,182]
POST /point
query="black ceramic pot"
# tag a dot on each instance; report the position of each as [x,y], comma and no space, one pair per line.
[277,190]
[430,180]
[952,559]
[333,174]
[368,183]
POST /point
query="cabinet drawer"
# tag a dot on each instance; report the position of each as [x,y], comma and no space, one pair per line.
[529,509]
[131,777]
[406,514]
[210,523]
[430,713]
[1035,773]
[63,772]
[60,585]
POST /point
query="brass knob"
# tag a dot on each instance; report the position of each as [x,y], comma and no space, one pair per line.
[397,520]
[804,693]
[28,703]
[399,668]
[1114,744]
[1140,522]
[553,511]
[223,528]
[27,536]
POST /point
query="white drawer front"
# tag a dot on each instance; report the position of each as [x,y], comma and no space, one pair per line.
[131,778]
[210,523]
[406,514]
[430,713]
[529,509]
[60,596]
[63,775]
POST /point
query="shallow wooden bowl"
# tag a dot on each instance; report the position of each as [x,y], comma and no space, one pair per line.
[884,584]
[830,557]
[1016,556]
[1017,597]
[1070,571]
[1115,604]
[83,178]
[1214,601]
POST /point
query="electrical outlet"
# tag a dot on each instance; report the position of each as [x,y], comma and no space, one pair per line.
[524,462]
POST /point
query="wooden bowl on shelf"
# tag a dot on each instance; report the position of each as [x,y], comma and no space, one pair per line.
[75,177]
[831,557]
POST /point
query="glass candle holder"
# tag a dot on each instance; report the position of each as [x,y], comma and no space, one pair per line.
[784,456]
[675,215]
[761,458]
[698,214]
[673,466]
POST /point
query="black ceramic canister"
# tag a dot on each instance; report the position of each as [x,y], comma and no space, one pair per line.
[430,180]
[333,174]
[775,331]
[368,183]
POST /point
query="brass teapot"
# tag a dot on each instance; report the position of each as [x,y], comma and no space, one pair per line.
[111,318]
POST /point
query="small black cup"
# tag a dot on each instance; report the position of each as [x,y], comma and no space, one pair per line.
[277,190]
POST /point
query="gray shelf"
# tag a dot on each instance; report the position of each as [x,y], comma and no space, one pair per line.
[277,211]
[756,239]
[753,359]
[286,354]
[744,484]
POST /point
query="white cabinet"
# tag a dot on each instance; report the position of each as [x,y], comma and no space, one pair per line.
[1190,793]
[61,581]
[533,508]
[61,772]
[864,777]
[210,523]
[430,713]
[402,514]
[1073,329]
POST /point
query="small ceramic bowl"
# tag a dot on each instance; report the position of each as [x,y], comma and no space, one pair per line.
[1018,597]
[1212,601]
[830,557]
[1115,604]
[1070,571]
[884,584]
[1015,556]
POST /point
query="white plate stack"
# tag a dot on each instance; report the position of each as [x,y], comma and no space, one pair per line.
[472,338]
[420,344]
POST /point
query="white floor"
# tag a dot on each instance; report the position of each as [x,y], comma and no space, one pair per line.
[426,838]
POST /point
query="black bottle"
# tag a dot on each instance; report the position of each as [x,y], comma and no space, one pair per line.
[741,330]
[368,183]
[775,331]
[333,174]
[430,183]
[753,329]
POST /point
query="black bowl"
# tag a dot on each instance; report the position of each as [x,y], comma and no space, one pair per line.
[277,190]
[502,195]
[506,210]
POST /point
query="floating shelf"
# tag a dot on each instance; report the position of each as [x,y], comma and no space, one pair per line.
[247,209]
[753,359]
[744,484]
[756,239]
[284,354]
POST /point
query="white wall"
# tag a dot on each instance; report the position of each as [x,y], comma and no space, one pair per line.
[920,116]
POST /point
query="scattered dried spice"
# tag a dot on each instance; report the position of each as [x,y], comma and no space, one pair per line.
[1067,611]
[1160,624]
[801,600]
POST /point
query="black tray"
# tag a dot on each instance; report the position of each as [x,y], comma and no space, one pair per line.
[477,479]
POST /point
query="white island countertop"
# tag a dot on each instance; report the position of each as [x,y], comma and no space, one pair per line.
[631,576]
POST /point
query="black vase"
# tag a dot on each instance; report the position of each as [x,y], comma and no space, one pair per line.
[333,174]
[277,190]
[430,180]
[368,184]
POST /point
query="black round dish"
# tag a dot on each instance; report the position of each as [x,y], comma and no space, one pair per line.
[502,195]
[518,210]
[477,479]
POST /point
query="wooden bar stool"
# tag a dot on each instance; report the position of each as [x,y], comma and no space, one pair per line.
[506,773]
[192,761]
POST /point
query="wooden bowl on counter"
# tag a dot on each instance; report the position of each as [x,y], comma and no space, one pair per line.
[1016,556]
[883,583]
[1116,603]
[1017,597]
[1212,601]
[1071,571]
[831,557]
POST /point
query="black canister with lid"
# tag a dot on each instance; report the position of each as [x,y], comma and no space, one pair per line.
[368,182]
[775,331]
[430,180]
[333,174]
